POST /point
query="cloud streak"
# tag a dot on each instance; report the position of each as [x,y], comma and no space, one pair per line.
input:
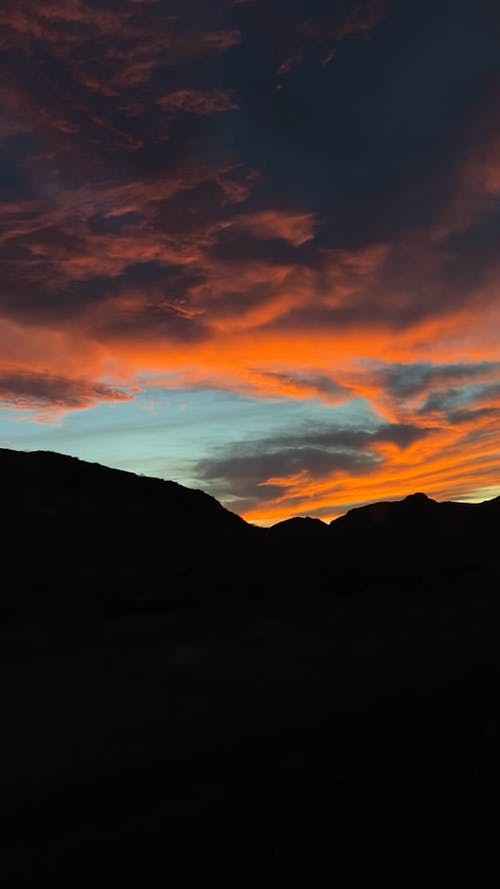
[49,395]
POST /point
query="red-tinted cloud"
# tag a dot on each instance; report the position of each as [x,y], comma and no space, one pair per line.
[296,228]
[198,101]
[51,395]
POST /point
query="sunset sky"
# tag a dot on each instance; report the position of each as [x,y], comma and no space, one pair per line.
[253,245]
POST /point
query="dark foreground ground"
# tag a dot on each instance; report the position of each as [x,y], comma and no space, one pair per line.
[217,749]
[198,704]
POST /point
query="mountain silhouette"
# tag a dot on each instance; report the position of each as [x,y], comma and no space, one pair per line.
[125,538]
[190,699]
[300,525]
[45,483]
[415,507]
[106,531]
[417,520]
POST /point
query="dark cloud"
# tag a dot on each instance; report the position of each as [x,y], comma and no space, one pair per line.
[293,32]
[129,156]
[311,384]
[242,470]
[401,434]
[242,478]
[403,380]
[474,416]
[198,101]
[451,401]
[377,139]
[39,391]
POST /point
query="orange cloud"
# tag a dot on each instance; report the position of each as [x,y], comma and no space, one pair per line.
[296,228]
[50,395]
[449,464]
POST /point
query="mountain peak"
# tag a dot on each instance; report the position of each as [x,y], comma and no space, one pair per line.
[417,498]
[300,525]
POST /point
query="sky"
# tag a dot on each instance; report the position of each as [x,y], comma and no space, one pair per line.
[253,245]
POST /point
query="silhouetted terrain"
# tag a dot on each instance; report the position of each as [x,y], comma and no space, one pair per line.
[75,528]
[188,698]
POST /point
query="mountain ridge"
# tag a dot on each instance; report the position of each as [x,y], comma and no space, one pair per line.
[78,531]
[57,474]
[83,469]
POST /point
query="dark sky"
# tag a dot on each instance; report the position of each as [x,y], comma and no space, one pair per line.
[254,244]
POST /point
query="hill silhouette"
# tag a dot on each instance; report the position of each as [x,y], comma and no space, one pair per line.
[299,525]
[48,484]
[188,698]
[43,484]
[101,529]
[135,542]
